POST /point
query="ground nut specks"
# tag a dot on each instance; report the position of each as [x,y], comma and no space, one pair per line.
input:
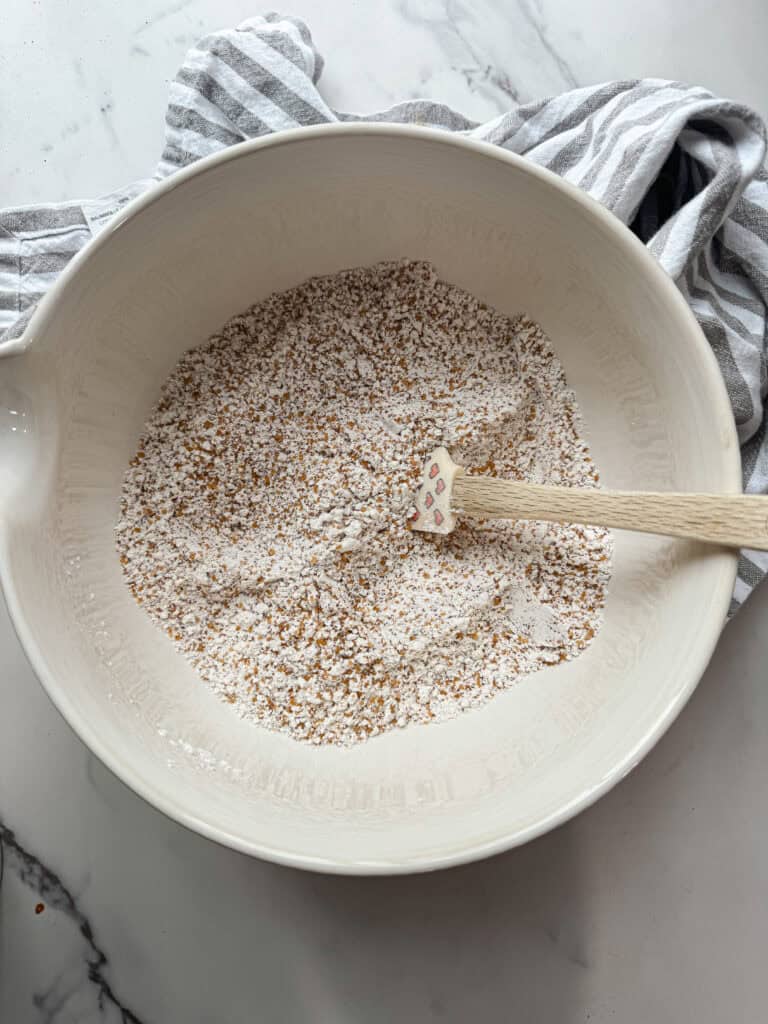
[264,520]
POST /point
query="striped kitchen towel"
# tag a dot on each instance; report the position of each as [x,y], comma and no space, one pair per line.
[681,167]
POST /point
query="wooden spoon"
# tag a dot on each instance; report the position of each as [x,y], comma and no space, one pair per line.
[446,490]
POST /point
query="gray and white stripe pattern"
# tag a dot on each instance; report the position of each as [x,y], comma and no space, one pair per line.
[681,167]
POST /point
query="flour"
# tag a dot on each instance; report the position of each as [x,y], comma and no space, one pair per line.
[264,519]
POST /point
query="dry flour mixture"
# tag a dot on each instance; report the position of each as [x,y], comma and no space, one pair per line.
[264,519]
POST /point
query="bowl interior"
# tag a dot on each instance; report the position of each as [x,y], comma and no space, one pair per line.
[263,219]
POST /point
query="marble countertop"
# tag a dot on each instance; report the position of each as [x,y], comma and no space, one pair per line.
[649,906]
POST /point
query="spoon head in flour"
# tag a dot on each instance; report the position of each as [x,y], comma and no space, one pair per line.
[433,495]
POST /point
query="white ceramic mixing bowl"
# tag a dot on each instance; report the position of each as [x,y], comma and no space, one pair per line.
[173,267]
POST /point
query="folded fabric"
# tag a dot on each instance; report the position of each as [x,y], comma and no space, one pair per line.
[681,167]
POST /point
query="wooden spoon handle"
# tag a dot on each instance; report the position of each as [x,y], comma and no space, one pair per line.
[736,520]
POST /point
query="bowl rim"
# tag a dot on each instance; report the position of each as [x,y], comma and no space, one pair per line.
[709,626]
